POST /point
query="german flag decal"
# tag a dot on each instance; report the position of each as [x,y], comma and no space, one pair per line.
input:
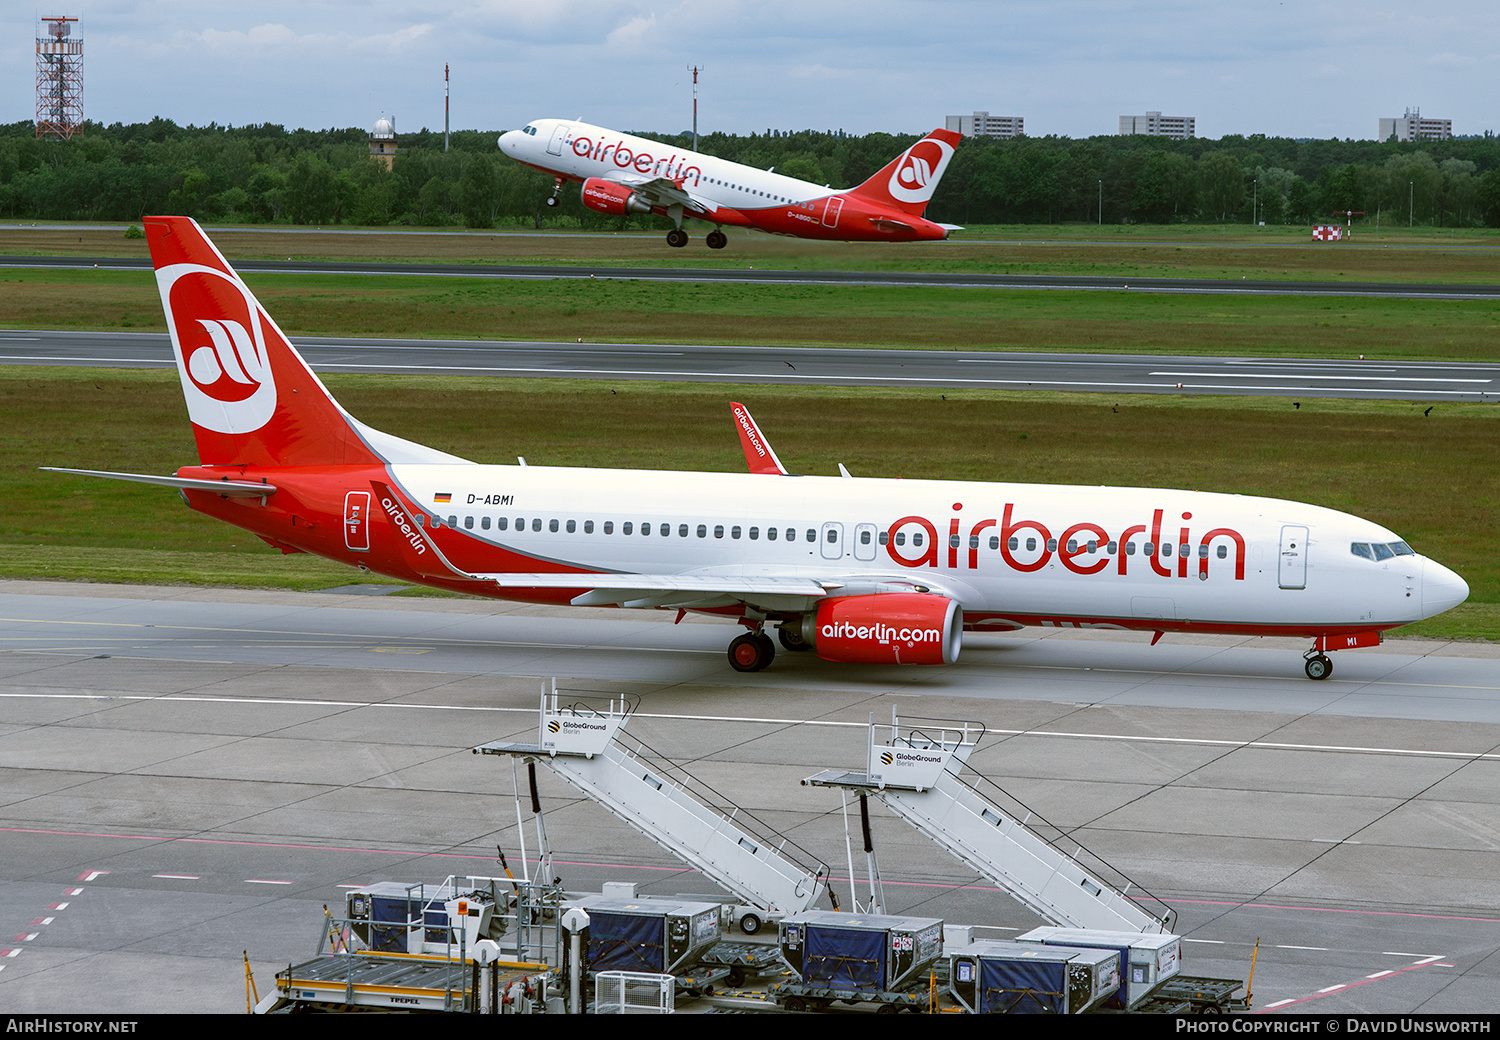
[442,497]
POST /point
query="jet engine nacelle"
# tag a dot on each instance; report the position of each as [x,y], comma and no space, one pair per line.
[615,199]
[888,628]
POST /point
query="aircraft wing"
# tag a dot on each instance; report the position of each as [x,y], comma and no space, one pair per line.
[663,191]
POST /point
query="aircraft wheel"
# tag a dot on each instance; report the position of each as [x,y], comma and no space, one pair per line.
[552,200]
[677,238]
[791,639]
[751,652]
[716,240]
[1318,667]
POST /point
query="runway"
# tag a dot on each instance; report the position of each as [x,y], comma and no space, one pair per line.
[786,366]
[748,275]
[188,773]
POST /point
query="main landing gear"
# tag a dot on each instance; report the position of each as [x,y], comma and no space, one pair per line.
[1317,665]
[716,239]
[677,238]
[751,652]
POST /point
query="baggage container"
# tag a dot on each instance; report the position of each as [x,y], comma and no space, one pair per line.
[994,977]
[859,953]
[1146,959]
[664,936]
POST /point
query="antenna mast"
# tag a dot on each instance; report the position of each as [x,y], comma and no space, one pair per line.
[695,69]
[445,106]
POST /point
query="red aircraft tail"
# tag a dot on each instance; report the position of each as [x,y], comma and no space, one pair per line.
[908,181]
[251,398]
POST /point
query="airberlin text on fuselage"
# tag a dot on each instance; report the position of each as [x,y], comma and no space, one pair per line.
[641,162]
[398,517]
[1037,544]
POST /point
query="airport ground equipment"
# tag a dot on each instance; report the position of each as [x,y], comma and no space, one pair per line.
[994,977]
[1151,979]
[881,959]
[427,948]
[653,936]
[913,767]
[583,742]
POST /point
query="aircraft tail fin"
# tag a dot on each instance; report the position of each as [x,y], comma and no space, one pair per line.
[908,181]
[251,398]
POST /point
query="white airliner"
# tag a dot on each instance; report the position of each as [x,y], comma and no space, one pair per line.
[622,174]
[856,570]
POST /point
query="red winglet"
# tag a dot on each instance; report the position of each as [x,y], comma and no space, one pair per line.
[758,452]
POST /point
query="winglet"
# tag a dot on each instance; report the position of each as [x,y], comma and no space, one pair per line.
[758,452]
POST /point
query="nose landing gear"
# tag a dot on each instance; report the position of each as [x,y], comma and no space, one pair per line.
[1318,665]
[556,191]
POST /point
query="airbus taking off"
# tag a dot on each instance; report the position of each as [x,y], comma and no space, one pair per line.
[622,174]
[855,570]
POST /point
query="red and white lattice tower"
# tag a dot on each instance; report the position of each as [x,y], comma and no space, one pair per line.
[59,79]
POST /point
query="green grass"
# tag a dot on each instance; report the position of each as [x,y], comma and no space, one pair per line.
[1433,479]
[632,311]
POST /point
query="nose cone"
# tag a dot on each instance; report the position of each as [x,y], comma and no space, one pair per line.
[510,141]
[1441,589]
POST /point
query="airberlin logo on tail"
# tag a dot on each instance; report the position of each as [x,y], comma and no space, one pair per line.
[219,340]
[917,172]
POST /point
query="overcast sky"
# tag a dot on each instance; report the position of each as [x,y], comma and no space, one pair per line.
[1299,68]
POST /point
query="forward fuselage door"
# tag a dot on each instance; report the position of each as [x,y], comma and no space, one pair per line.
[559,135]
[357,521]
[1292,572]
[832,541]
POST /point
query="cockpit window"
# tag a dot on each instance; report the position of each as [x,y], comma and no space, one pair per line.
[530,130]
[1382,552]
[1402,549]
[1361,549]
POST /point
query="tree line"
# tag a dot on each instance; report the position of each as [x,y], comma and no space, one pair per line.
[267,174]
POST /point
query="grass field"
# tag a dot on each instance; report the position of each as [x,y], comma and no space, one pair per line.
[1434,479]
[626,311]
[1197,251]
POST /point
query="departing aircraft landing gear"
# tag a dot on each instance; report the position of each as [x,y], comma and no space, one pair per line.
[677,238]
[751,652]
[716,239]
[556,191]
[1317,666]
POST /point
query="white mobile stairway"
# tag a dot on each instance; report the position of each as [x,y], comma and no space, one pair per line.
[915,773]
[580,744]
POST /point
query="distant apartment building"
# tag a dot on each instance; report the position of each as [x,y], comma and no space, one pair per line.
[1154,124]
[982,124]
[1412,127]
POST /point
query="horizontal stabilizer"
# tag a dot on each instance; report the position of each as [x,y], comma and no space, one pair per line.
[231,488]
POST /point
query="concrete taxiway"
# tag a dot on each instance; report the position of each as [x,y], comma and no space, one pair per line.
[789,366]
[186,774]
[749,275]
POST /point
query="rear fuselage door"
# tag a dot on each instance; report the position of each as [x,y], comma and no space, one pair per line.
[831,212]
[1292,571]
[357,521]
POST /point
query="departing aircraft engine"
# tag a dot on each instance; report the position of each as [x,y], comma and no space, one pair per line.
[887,628]
[615,199]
